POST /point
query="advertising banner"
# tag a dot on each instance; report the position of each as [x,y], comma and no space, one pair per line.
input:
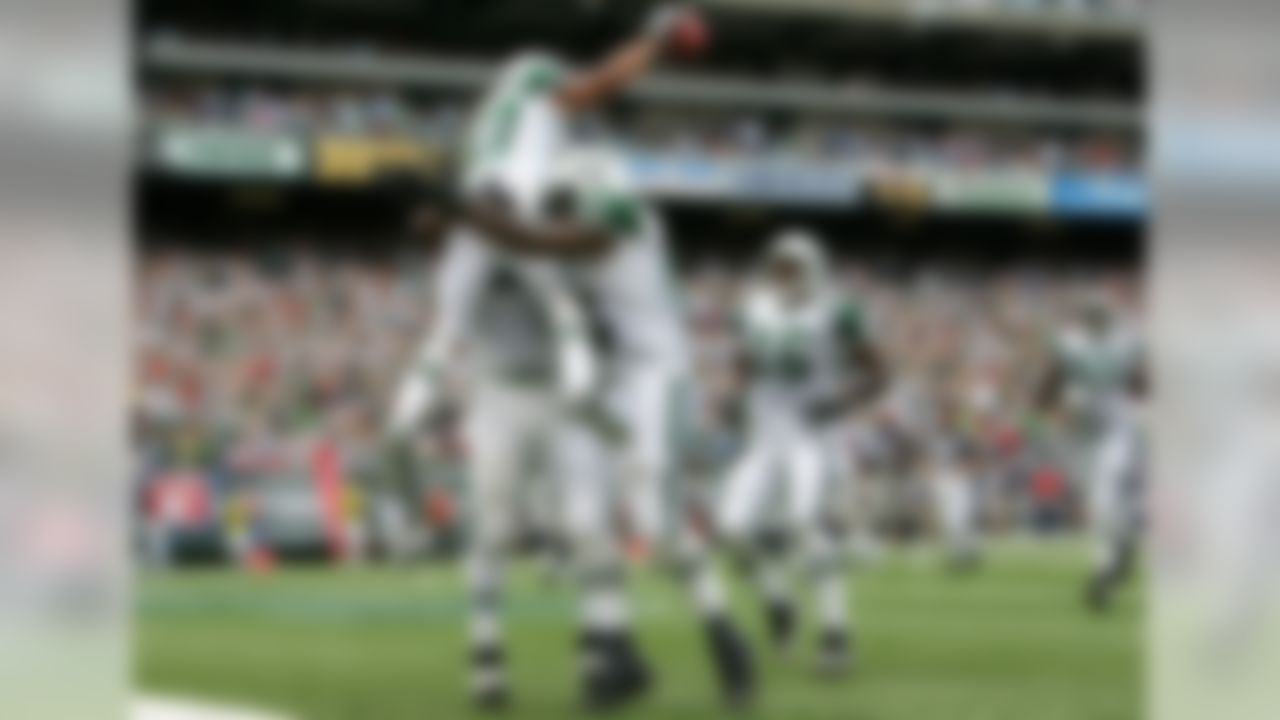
[770,181]
[984,191]
[218,152]
[1100,195]
[351,159]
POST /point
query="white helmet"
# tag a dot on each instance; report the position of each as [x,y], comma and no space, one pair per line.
[803,248]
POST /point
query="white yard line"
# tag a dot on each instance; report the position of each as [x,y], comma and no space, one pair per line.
[171,708]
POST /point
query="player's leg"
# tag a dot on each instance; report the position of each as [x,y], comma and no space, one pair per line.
[613,669]
[460,276]
[1128,514]
[809,482]
[493,434]
[730,653]
[847,497]
[1108,470]
[643,399]
[540,506]
[953,493]
[650,486]
[761,556]
[552,545]
[577,367]
[653,480]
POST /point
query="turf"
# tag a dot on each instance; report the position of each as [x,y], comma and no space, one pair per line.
[1010,642]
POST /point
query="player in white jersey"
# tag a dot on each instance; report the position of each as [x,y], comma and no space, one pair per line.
[628,289]
[646,378]
[808,363]
[1093,387]
[953,458]
[622,281]
[514,140]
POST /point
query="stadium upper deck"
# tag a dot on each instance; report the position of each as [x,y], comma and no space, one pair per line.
[1017,107]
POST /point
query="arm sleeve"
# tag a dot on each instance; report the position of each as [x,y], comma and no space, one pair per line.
[617,212]
[461,273]
[421,389]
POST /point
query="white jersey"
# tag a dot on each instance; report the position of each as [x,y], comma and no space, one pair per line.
[512,311]
[517,133]
[525,317]
[795,353]
[514,336]
[1099,372]
[631,289]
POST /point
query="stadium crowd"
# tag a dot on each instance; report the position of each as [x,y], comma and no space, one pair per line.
[363,111]
[244,362]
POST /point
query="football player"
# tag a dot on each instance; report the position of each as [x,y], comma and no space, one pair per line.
[807,362]
[535,368]
[1093,385]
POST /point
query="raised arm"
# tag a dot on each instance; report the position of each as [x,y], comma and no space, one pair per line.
[633,59]
[592,87]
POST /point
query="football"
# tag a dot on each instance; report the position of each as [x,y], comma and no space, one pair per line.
[690,35]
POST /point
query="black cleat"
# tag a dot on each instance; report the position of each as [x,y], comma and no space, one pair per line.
[614,674]
[734,665]
[1097,593]
[489,685]
[781,618]
[835,653]
[494,699]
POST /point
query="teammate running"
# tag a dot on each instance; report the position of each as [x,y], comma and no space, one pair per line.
[1093,386]
[808,362]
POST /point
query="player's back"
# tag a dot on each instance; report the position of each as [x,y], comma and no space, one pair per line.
[640,296]
[631,286]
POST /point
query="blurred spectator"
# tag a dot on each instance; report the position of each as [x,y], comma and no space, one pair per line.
[734,135]
[242,360]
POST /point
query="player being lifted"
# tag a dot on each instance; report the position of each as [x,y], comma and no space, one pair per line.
[808,363]
[1092,387]
[504,270]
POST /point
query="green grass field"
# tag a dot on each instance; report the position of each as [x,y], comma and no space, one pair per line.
[1010,642]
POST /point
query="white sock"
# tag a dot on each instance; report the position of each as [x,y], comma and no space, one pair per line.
[484,627]
[707,589]
[484,583]
[604,608]
[830,593]
[833,602]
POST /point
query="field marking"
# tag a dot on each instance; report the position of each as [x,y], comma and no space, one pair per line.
[171,708]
